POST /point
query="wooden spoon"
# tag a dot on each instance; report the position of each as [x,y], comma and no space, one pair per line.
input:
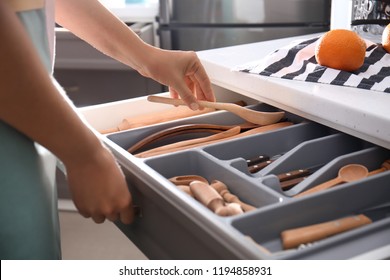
[348,173]
[261,118]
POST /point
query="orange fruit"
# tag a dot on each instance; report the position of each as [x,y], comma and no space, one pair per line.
[386,38]
[340,49]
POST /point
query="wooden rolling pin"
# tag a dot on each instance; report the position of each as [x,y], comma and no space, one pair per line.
[292,238]
[209,197]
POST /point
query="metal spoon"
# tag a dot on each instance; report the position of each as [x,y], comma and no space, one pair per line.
[348,173]
[261,118]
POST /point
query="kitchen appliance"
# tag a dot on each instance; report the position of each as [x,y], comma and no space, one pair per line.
[206,24]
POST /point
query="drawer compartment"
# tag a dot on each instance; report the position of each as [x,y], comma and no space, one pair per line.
[198,163]
[265,227]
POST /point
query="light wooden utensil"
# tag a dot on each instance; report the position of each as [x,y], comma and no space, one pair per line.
[348,173]
[223,136]
[174,147]
[384,167]
[223,190]
[292,238]
[261,118]
[209,197]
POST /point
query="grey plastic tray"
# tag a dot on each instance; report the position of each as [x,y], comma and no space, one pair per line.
[175,226]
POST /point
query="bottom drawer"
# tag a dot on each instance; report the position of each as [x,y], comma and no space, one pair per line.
[175,225]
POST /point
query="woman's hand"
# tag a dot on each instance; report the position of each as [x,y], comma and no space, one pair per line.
[182,72]
[99,188]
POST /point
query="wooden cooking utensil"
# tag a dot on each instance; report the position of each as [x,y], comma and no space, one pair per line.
[188,143]
[223,190]
[294,237]
[185,129]
[209,197]
[186,189]
[223,136]
[385,166]
[348,173]
[261,118]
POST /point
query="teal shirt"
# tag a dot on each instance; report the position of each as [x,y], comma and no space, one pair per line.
[29,226]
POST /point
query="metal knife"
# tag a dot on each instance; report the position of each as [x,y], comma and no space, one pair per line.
[292,238]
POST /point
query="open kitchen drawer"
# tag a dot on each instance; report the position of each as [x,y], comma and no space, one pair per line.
[174,225]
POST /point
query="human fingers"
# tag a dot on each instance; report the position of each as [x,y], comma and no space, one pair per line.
[202,81]
[181,88]
[173,93]
[98,218]
[127,215]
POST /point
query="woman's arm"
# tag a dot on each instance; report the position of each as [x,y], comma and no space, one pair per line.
[181,71]
[30,103]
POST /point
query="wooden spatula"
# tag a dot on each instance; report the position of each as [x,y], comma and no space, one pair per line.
[261,118]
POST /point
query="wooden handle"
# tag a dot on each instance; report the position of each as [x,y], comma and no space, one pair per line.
[288,184]
[321,187]
[257,167]
[223,190]
[262,118]
[209,197]
[205,194]
[257,160]
[292,238]
[186,189]
[293,174]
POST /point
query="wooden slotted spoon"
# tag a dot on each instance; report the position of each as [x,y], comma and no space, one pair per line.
[256,117]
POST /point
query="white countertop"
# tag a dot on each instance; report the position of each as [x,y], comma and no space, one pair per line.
[359,112]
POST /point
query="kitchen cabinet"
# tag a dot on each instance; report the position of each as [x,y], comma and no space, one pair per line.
[333,126]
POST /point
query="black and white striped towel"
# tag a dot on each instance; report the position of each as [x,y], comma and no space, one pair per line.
[297,62]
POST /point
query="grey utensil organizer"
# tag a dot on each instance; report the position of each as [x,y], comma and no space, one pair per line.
[175,226]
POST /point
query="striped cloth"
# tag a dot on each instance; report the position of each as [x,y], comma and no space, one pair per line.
[297,62]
